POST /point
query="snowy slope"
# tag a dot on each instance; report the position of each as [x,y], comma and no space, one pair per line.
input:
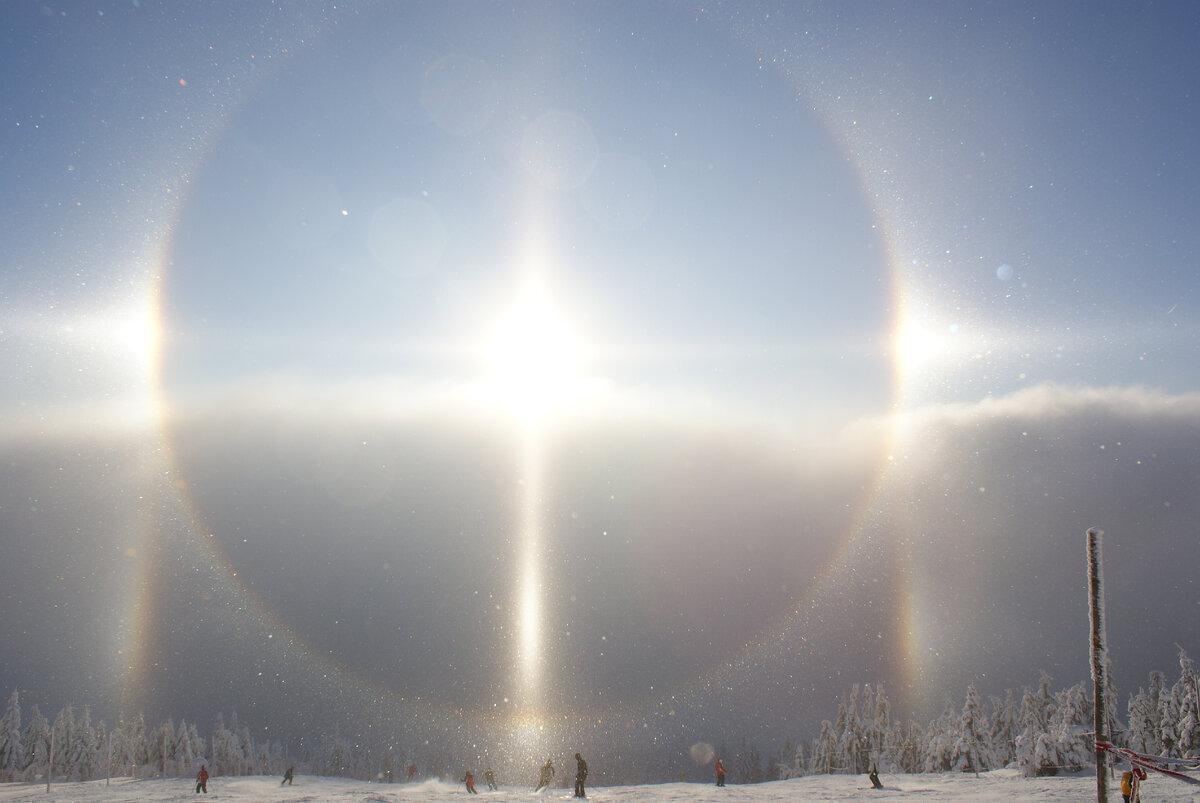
[1002,785]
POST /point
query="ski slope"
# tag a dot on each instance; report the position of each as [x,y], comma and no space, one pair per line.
[1001,785]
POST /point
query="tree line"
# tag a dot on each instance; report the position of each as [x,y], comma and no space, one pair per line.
[1043,732]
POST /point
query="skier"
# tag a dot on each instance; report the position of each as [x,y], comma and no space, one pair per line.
[202,780]
[720,770]
[874,776]
[287,776]
[580,776]
[545,776]
[469,780]
[412,770]
[490,777]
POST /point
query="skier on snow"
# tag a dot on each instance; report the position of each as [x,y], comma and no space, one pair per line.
[580,775]
[545,776]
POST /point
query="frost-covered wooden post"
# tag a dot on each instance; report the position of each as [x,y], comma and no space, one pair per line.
[1099,656]
[50,761]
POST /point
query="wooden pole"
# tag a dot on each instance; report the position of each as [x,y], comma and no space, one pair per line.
[1099,657]
[50,761]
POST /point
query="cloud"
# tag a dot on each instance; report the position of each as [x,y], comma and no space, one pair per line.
[380,529]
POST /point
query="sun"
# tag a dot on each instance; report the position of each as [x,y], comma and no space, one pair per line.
[533,358]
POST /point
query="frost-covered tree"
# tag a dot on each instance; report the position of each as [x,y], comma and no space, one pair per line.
[87,753]
[63,734]
[11,752]
[226,758]
[200,749]
[851,745]
[1034,748]
[911,752]
[747,764]
[1071,729]
[1185,696]
[943,735]
[35,742]
[184,757]
[880,734]
[971,747]
[249,754]
[824,747]
[134,748]
[1145,729]
[1002,731]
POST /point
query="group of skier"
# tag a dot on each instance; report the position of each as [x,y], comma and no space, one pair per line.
[545,776]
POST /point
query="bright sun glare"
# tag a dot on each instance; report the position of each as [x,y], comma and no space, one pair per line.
[532,358]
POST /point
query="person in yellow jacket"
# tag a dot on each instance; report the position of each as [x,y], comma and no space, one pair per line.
[1131,781]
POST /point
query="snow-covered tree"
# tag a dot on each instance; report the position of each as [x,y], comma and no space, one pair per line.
[747,764]
[226,758]
[1145,729]
[87,753]
[971,747]
[11,751]
[1071,729]
[910,756]
[35,742]
[1002,731]
[943,735]
[879,732]
[1186,705]
[824,747]
[1034,749]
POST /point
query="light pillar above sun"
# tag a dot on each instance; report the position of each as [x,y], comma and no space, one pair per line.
[532,368]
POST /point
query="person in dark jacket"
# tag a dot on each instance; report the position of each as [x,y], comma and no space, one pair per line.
[490,777]
[287,776]
[580,776]
[545,776]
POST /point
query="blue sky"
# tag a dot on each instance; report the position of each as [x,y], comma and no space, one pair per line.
[556,358]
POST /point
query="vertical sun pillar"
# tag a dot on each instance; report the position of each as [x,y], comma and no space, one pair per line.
[529,649]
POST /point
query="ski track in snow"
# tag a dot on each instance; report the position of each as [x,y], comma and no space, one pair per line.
[1001,785]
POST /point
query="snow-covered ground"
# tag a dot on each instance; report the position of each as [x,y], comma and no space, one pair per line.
[1002,785]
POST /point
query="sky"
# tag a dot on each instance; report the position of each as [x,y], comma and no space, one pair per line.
[636,374]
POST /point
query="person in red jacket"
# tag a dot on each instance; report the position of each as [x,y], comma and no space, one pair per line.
[202,780]
[469,780]
[720,768]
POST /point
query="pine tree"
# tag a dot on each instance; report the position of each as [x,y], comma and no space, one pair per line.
[184,759]
[747,765]
[1033,746]
[135,748]
[850,735]
[35,741]
[1187,723]
[942,736]
[971,747]
[1002,731]
[912,756]
[1144,717]
[11,751]
[1071,729]
[822,761]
